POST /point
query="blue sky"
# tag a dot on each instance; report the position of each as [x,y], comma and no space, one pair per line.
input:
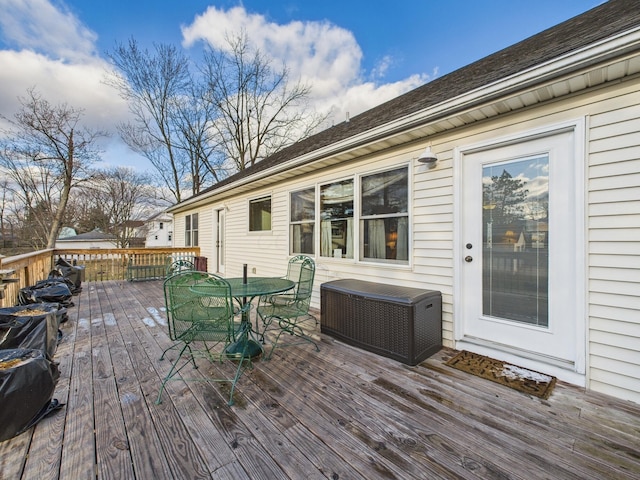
[354,53]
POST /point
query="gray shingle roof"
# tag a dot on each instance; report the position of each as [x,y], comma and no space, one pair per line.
[96,234]
[608,19]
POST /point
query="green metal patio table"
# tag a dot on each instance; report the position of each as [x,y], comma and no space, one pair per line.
[244,290]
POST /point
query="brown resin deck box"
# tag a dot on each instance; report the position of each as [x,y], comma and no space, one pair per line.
[397,322]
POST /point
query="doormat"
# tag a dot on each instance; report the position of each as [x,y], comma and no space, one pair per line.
[521,379]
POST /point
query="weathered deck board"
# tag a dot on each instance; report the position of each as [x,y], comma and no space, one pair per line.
[130,372]
[392,432]
[78,445]
[341,413]
[111,398]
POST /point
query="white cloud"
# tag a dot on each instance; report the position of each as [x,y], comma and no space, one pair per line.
[381,68]
[312,50]
[55,54]
[322,54]
[80,85]
[40,26]
[358,98]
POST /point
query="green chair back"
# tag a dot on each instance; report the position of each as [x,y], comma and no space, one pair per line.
[199,307]
[178,265]
[301,270]
[290,308]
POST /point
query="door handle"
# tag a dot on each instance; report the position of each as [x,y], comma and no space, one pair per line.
[468,259]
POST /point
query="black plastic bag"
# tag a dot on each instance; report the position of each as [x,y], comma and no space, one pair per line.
[32,326]
[55,277]
[52,290]
[27,383]
[71,273]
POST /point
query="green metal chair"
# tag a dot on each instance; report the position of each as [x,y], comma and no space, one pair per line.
[289,309]
[201,323]
[178,265]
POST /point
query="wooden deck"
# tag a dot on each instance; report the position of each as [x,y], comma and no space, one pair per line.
[341,413]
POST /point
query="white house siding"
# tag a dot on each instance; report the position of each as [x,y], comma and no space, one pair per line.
[159,237]
[612,196]
[267,253]
[178,228]
[614,245]
[259,250]
[433,234]
[84,244]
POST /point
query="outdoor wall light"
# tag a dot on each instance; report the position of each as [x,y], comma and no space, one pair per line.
[428,157]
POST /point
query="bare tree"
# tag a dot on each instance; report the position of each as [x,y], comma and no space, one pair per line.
[83,212]
[35,189]
[46,153]
[116,198]
[194,115]
[153,83]
[14,217]
[259,111]
[6,201]
[198,130]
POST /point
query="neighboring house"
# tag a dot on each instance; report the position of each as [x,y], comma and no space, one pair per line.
[159,230]
[528,223]
[94,239]
[136,231]
[99,239]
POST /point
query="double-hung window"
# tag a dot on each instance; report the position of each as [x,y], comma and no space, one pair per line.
[191,230]
[384,216]
[302,221]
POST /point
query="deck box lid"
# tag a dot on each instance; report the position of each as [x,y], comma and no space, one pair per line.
[380,291]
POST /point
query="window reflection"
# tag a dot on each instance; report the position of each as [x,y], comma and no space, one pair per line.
[302,218]
[336,219]
[385,219]
[515,215]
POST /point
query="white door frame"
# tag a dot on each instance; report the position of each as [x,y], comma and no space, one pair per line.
[219,234]
[576,374]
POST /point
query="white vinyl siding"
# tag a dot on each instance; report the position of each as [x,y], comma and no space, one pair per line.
[614,245]
[432,225]
[206,236]
[262,251]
